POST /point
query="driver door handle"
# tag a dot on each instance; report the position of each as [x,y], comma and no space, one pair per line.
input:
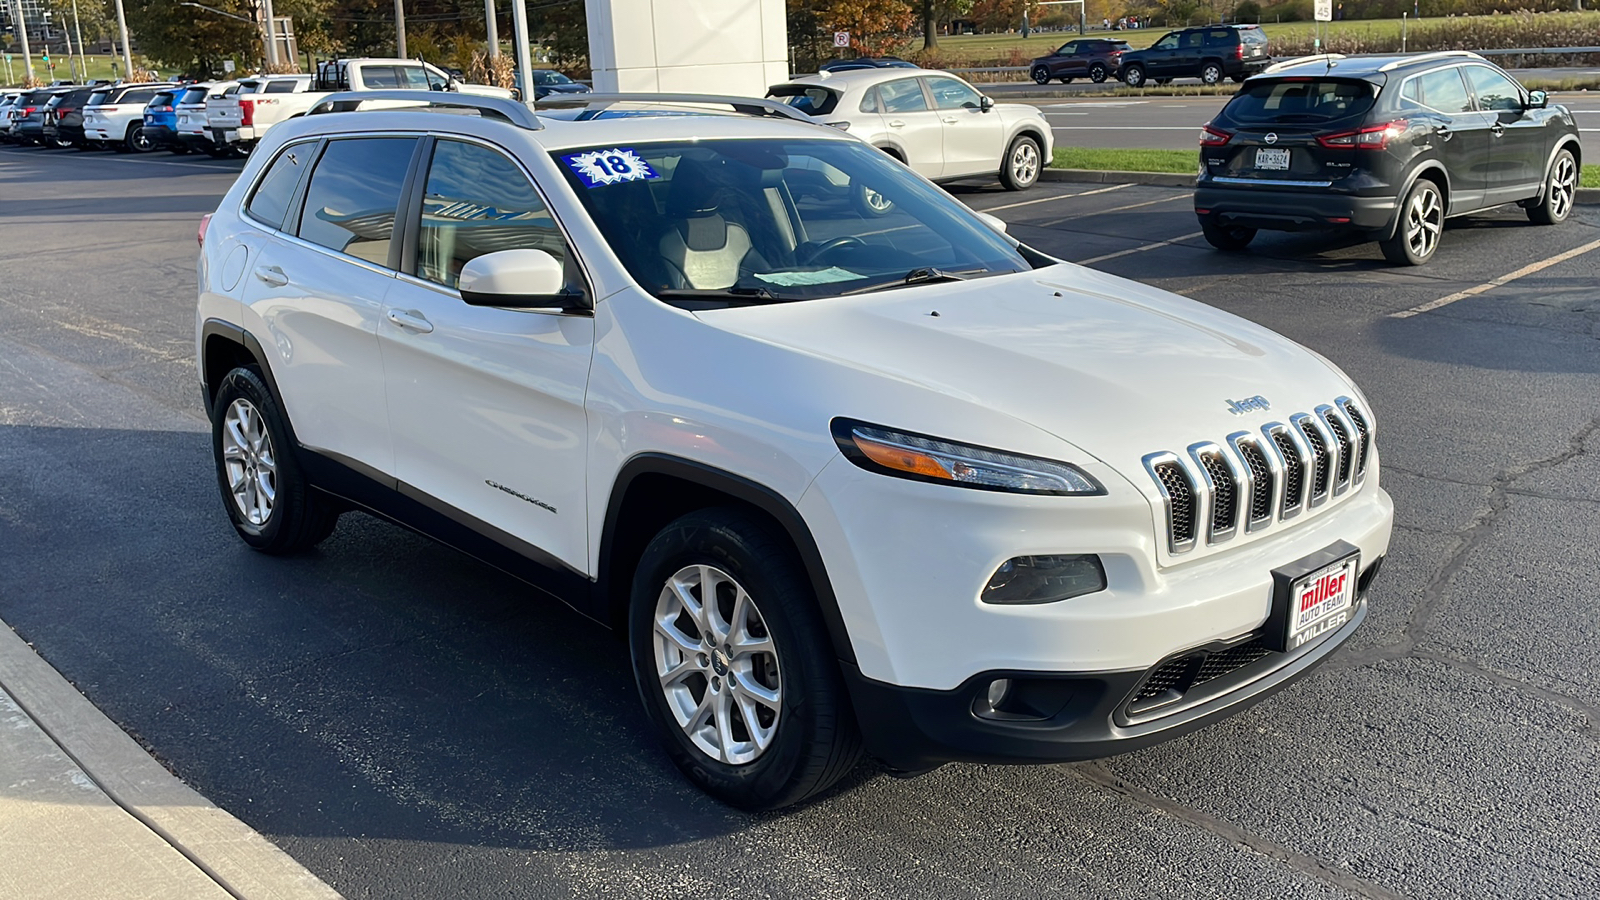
[272,275]
[952,120]
[1497,129]
[896,123]
[410,320]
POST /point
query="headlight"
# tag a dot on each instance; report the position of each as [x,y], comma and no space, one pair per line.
[923,458]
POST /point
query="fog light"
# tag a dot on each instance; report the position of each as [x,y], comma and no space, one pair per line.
[998,689]
[1045,579]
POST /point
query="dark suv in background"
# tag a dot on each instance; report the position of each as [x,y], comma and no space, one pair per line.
[1210,53]
[1390,146]
[1093,58]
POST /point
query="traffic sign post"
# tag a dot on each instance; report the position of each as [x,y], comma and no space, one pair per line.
[1321,11]
[841,38]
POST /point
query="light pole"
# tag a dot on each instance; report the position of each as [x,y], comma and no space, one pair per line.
[272,36]
[494,28]
[400,28]
[122,27]
[83,64]
[270,40]
[519,28]
[22,29]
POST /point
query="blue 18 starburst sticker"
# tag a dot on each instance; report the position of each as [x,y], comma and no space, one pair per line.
[614,166]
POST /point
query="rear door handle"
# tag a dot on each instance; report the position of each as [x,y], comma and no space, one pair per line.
[410,320]
[1444,132]
[272,275]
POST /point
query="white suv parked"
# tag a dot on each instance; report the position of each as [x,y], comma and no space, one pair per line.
[845,480]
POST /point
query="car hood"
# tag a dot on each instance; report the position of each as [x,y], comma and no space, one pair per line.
[1116,368]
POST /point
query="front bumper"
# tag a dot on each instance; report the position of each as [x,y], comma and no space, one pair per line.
[1079,716]
[1284,209]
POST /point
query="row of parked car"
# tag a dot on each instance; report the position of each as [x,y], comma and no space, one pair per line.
[221,118]
[1209,53]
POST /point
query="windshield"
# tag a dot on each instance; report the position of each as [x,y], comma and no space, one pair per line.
[761,220]
[546,76]
[1301,100]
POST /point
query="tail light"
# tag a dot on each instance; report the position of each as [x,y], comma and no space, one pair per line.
[1373,137]
[247,112]
[1213,137]
[163,109]
[1238,52]
[205,222]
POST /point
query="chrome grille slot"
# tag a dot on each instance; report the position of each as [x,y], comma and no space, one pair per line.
[1294,473]
[1261,479]
[1363,436]
[1252,480]
[1225,494]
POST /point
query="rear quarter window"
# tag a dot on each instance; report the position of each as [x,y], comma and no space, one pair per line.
[1311,100]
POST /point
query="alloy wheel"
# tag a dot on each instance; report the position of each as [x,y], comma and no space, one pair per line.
[717,665]
[1563,185]
[1211,74]
[1024,163]
[1424,221]
[251,465]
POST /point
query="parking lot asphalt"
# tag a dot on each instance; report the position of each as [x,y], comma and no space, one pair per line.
[406,722]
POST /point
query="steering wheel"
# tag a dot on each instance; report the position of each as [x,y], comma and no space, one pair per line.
[830,246]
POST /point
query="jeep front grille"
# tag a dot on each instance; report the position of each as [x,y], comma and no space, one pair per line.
[1253,481]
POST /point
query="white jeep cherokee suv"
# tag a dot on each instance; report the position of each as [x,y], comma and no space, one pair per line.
[846,481]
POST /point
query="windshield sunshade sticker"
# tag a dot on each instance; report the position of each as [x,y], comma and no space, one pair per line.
[615,166]
[820,276]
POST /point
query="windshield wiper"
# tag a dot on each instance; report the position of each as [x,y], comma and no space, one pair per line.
[744,295]
[924,275]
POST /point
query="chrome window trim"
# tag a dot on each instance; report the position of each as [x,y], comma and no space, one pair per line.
[1165,457]
[1237,440]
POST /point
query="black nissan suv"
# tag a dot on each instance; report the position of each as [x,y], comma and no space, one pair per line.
[1209,53]
[1388,146]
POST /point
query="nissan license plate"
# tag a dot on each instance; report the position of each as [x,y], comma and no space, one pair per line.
[1272,159]
[1321,602]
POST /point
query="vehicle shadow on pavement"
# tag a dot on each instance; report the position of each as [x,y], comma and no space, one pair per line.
[382,685]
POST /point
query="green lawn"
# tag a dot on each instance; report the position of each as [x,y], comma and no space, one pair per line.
[1180,161]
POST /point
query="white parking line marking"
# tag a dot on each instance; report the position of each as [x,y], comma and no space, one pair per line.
[1113,209]
[1114,187]
[162,162]
[1490,285]
[1152,246]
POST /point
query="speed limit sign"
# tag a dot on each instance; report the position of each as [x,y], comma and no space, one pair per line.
[841,38]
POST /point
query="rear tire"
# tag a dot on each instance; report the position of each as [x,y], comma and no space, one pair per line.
[1019,168]
[757,714]
[269,501]
[138,140]
[1211,73]
[1416,234]
[1560,189]
[1227,238]
[1133,76]
[1041,75]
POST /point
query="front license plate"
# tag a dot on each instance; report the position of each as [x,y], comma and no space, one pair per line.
[1272,159]
[1321,602]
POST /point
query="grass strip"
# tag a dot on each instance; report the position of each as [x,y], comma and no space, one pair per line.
[1184,162]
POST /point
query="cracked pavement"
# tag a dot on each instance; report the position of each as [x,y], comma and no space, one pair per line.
[408,723]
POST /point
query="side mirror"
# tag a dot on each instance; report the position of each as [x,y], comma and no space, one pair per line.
[993,221]
[986,104]
[518,279]
[1538,99]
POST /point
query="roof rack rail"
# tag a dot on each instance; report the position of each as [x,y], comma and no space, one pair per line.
[1329,58]
[489,107]
[750,106]
[1437,54]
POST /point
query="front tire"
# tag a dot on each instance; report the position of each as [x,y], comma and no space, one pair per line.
[1020,167]
[269,501]
[1227,238]
[1041,75]
[1133,76]
[734,664]
[1416,235]
[1560,189]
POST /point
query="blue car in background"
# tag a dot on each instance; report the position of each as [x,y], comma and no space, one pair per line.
[161,121]
[549,81]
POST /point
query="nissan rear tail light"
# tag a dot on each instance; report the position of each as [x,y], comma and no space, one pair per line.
[1214,137]
[1373,137]
[247,112]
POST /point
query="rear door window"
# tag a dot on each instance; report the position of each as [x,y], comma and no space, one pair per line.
[1221,37]
[903,96]
[1319,100]
[380,77]
[351,199]
[282,86]
[1444,91]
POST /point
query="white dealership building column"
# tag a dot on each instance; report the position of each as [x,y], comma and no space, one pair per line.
[734,47]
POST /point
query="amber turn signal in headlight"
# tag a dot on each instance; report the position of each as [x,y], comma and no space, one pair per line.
[922,458]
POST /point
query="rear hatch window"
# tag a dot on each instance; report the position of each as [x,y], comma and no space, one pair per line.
[160,100]
[1253,36]
[809,99]
[193,95]
[1300,101]
[97,98]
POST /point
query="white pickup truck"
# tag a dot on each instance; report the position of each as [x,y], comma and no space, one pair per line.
[240,118]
